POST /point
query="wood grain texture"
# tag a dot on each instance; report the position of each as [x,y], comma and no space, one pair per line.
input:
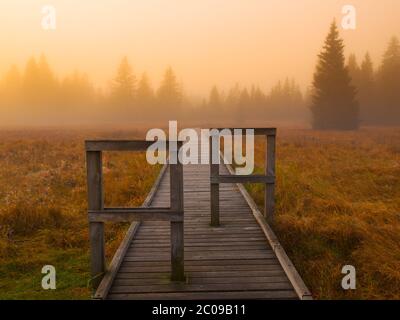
[96,229]
[232,261]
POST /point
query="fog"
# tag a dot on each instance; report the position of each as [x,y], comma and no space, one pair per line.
[255,46]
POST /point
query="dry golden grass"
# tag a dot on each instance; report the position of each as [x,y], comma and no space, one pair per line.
[338,203]
[43,208]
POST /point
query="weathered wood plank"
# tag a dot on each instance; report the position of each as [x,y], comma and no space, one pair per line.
[232,261]
[121,287]
[96,229]
[243,179]
[249,295]
[269,197]
[106,283]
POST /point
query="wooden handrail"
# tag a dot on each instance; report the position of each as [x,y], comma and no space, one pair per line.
[98,214]
[268,178]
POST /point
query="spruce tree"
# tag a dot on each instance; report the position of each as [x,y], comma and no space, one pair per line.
[334,104]
[169,95]
[145,98]
[124,88]
[389,79]
[367,91]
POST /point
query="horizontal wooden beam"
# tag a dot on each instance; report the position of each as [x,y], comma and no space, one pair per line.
[257,131]
[117,145]
[134,214]
[122,145]
[242,179]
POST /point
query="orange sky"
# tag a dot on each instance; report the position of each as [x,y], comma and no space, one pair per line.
[206,41]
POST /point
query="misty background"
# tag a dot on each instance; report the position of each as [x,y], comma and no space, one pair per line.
[210,61]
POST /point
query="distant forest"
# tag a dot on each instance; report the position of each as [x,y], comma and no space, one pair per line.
[37,95]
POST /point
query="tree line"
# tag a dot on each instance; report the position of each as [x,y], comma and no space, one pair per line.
[37,94]
[343,95]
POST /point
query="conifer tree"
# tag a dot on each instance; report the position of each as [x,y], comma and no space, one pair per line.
[367,91]
[169,95]
[124,87]
[145,98]
[145,93]
[334,104]
[389,79]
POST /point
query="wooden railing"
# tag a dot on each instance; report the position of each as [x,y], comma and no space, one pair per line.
[98,214]
[268,179]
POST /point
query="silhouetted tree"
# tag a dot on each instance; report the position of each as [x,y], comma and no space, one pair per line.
[123,88]
[389,80]
[354,70]
[169,95]
[145,97]
[214,107]
[334,104]
[78,95]
[366,91]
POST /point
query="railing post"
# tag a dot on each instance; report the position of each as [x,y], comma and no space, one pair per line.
[177,227]
[214,188]
[269,199]
[96,229]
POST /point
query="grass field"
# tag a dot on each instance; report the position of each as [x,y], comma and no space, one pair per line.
[43,208]
[338,202]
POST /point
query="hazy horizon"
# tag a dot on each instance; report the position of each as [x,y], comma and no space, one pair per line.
[208,42]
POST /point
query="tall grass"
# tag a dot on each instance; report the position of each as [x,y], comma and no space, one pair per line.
[43,207]
[338,203]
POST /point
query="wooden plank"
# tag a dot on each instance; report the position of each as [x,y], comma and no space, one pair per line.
[204,274]
[209,287]
[257,131]
[233,261]
[107,281]
[136,214]
[214,187]
[250,295]
[177,230]
[209,262]
[243,179]
[118,145]
[290,270]
[200,256]
[96,229]
[189,268]
[105,285]
[269,194]
[202,280]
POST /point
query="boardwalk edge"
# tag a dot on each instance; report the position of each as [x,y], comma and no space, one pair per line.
[287,265]
[105,285]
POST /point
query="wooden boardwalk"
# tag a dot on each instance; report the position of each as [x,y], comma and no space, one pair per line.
[240,259]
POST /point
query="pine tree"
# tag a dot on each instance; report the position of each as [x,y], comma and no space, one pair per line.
[366,91]
[389,79]
[31,82]
[124,88]
[214,102]
[145,98]
[354,70]
[243,106]
[334,104]
[169,95]
[145,94]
